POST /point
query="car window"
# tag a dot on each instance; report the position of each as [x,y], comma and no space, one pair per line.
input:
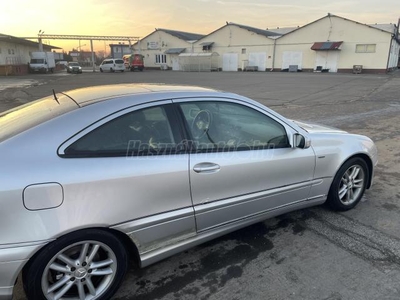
[142,132]
[119,61]
[226,126]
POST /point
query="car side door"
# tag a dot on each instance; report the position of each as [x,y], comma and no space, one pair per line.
[242,163]
[128,171]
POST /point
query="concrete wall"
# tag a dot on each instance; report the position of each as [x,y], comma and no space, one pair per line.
[232,39]
[164,41]
[337,29]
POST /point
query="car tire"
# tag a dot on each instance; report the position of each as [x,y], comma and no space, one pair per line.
[122,71]
[349,184]
[84,263]
[112,70]
[101,70]
[141,69]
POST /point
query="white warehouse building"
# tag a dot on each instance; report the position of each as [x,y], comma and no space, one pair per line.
[239,47]
[15,54]
[329,44]
[162,47]
[336,44]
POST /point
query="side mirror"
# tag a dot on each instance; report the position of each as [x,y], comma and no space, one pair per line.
[300,141]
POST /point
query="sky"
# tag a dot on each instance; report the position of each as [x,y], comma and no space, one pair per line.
[139,18]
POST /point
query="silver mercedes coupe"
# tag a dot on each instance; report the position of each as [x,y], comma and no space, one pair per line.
[95,176]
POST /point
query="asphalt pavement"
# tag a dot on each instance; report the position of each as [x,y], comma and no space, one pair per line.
[309,254]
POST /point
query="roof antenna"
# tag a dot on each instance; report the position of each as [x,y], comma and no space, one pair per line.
[70,98]
[55,97]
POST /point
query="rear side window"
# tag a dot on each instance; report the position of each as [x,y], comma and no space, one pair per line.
[22,118]
[142,132]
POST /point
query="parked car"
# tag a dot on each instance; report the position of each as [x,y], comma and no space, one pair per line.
[99,174]
[112,65]
[74,67]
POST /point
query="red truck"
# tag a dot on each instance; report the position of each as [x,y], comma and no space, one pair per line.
[133,62]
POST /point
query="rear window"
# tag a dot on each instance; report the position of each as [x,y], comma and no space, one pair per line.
[24,117]
[119,61]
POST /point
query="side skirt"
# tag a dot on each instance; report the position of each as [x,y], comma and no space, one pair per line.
[158,254]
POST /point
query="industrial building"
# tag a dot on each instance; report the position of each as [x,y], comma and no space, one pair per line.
[336,44]
[119,50]
[239,47]
[14,54]
[162,47]
[329,44]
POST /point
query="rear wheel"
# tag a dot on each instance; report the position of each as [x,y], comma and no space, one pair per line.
[101,70]
[349,184]
[88,264]
[112,70]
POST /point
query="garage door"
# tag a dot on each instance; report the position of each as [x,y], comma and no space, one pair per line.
[230,62]
[258,59]
[327,60]
[292,58]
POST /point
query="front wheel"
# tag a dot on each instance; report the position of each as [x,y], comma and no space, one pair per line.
[349,184]
[87,264]
[101,70]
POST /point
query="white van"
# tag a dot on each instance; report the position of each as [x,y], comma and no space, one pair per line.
[112,65]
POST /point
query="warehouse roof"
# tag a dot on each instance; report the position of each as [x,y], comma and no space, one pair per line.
[380,27]
[385,27]
[263,32]
[16,40]
[186,36]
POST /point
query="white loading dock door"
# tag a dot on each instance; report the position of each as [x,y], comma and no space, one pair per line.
[175,63]
[327,60]
[230,62]
[259,60]
[292,58]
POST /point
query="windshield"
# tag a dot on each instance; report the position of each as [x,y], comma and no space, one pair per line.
[119,61]
[24,117]
[37,61]
[74,64]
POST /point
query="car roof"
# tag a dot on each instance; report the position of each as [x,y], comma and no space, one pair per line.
[91,95]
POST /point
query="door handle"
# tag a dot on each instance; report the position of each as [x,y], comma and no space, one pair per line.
[206,168]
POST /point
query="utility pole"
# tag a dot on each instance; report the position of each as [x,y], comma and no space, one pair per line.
[91,49]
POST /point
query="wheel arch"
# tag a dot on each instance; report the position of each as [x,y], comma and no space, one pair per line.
[367,160]
[129,245]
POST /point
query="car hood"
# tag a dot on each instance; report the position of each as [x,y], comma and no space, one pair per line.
[317,128]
